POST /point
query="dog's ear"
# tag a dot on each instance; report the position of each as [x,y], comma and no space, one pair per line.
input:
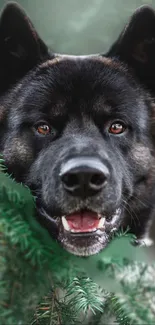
[136,45]
[20,46]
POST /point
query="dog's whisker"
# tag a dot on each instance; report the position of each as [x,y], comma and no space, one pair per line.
[129,210]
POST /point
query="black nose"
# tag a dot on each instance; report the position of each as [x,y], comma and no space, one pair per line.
[84,177]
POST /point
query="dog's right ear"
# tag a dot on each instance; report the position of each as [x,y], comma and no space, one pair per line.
[136,45]
[21,48]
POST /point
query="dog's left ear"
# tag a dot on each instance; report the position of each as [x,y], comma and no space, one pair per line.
[21,48]
[136,45]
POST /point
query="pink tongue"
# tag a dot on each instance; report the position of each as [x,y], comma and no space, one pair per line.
[83,222]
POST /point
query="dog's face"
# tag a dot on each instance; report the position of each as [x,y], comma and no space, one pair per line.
[76,131]
[77,135]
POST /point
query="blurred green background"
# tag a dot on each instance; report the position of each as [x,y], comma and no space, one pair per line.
[80,26]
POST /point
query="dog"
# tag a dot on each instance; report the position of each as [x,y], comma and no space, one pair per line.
[77,131]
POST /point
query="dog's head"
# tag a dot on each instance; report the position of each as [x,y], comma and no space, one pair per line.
[76,131]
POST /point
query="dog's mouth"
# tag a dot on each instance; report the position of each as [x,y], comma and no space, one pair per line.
[84,232]
[83,222]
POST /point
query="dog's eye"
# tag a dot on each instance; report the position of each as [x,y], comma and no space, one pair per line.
[43,129]
[117,127]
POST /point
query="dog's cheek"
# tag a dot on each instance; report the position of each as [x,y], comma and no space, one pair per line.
[18,151]
[3,116]
[141,157]
[2,113]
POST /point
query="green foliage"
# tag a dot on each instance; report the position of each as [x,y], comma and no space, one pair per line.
[79,295]
[42,284]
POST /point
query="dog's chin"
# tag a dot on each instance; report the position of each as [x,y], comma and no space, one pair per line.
[82,233]
[85,244]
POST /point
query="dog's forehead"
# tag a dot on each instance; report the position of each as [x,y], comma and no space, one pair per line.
[92,73]
[90,77]
[69,83]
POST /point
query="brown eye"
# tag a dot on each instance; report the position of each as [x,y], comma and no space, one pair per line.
[43,129]
[117,128]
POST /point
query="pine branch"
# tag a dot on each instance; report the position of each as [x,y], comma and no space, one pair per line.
[77,299]
[137,299]
[84,294]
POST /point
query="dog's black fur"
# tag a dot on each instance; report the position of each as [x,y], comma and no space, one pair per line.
[79,98]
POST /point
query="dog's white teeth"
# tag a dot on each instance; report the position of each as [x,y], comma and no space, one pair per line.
[77,231]
[99,215]
[65,224]
[101,222]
